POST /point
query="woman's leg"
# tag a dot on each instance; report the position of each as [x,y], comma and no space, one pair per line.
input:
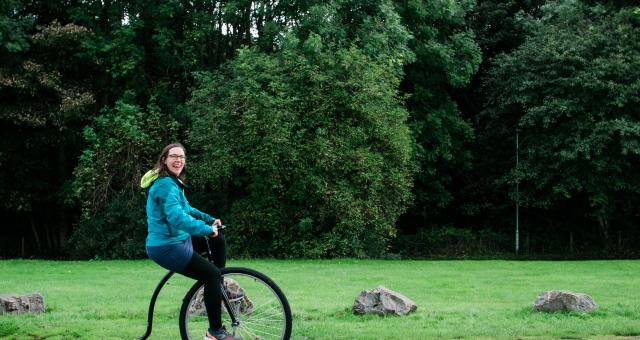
[219,250]
[202,270]
[218,246]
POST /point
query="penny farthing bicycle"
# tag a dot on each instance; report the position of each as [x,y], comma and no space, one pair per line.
[252,304]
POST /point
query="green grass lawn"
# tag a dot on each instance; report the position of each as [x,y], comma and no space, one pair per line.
[456,299]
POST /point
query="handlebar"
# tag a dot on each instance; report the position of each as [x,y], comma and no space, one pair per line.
[206,239]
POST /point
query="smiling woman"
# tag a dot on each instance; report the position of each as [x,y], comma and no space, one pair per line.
[171,222]
[171,161]
[175,160]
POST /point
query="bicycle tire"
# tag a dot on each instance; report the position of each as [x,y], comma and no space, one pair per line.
[263,311]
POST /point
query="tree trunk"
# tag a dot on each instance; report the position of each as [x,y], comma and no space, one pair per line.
[571,242]
[603,223]
[48,235]
[35,232]
[218,44]
[62,212]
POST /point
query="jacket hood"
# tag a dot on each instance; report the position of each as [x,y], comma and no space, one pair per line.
[148,178]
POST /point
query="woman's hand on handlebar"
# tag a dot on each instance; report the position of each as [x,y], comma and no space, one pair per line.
[217,224]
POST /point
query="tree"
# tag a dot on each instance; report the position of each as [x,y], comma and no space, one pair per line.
[571,90]
[149,51]
[500,27]
[311,141]
[447,56]
[121,142]
[45,102]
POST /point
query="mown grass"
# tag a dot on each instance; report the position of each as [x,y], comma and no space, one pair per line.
[456,299]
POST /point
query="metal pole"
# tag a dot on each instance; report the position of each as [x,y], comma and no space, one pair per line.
[517,197]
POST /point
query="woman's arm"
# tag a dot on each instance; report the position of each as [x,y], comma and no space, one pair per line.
[200,215]
[169,196]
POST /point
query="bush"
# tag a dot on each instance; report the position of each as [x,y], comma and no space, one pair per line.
[122,144]
[118,231]
[311,143]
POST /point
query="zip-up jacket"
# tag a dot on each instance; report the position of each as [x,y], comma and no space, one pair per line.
[170,218]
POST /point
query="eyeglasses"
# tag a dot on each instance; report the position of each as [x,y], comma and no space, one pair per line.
[182,157]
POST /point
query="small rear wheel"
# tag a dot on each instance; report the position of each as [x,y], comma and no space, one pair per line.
[260,308]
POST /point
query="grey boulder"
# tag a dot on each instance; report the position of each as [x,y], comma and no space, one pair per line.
[560,300]
[383,301]
[20,304]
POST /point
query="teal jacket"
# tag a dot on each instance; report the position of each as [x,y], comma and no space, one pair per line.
[170,218]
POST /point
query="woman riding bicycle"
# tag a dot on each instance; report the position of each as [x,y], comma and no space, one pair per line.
[171,221]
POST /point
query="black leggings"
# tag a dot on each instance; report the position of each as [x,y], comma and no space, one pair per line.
[201,269]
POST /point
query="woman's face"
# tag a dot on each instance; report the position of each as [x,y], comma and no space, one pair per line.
[175,160]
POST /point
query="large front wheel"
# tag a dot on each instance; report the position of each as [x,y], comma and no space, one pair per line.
[260,308]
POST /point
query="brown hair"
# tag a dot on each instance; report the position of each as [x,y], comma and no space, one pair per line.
[162,168]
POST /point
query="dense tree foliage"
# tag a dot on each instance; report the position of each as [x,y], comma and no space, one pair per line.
[572,91]
[447,56]
[323,128]
[45,104]
[482,203]
[311,141]
[107,178]
[150,51]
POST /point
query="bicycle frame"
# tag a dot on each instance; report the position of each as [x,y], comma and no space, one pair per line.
[163,281]
[152,304]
